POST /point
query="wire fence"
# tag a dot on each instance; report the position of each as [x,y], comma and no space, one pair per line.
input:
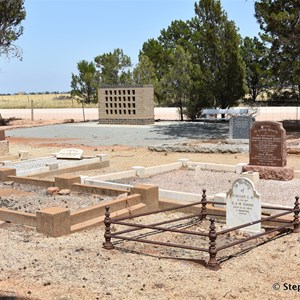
[160,113]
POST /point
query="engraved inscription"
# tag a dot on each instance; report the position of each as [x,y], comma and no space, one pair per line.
[243,205]
[239,127]
[242,201]
[267,144]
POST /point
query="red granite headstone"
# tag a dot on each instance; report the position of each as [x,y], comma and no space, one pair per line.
[2,135]
[268,144]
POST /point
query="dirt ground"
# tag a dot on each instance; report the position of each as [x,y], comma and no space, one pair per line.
[123,158]
[270,271]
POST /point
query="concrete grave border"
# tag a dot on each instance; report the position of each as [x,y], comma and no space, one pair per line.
[140,198]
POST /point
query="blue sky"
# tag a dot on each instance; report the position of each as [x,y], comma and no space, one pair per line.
[60,33]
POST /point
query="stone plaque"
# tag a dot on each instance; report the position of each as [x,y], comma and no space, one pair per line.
[70,153]
[267,144]
[239,127]
[243,205]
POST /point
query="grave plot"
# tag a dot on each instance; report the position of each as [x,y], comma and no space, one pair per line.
[193,181]
[194,225]
[198,233]
[60,205]
[30,199]
[52,164]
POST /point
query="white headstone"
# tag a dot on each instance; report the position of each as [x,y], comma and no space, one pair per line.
[243,205]
[70,153]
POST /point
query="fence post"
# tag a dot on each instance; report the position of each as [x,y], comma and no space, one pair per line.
[296,215]
[107,235]
[212,245]
[203,202]
[32,118]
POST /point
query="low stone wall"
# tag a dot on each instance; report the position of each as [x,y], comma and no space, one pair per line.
[138,171]
[32,181]
[115,176]
[92,189]
[216,167]
[98,210]
[18,217]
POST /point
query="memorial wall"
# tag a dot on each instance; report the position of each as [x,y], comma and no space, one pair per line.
[132,105]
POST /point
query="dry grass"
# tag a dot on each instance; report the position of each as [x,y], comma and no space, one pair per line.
[40,101]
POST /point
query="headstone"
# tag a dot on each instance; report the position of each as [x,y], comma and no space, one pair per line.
[2,135]
[243,205]
[239,127]
[267,144]
[70,153]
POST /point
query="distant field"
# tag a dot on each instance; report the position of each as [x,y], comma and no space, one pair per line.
[40,101]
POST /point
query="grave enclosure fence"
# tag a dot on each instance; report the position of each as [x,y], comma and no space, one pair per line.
[212,234]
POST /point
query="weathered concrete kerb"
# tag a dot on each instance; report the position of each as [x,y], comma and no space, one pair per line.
[220,147]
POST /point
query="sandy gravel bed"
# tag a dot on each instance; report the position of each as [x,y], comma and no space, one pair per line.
[30,198]
[76,267]
[194,181]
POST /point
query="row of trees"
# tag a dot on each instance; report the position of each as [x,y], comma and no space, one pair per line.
[204,62]
[191,64]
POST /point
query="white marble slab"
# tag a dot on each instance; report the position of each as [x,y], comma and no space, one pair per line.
[243,205]
[70,153]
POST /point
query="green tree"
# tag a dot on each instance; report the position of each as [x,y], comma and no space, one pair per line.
[218,70]
[12,13]
[178,33]
[255,56]
[177,80]
[84,86]
[159,58]
[114,68]
[144,72]
[216,43]
[280,22]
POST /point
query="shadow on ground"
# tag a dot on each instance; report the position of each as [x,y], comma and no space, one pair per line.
[193,131]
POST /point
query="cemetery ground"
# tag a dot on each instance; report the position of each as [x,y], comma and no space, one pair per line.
[76,266]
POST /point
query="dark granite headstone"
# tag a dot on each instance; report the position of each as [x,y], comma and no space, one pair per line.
[267,144]
[239,127]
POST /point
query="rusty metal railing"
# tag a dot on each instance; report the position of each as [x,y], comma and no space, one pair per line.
[212,234]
